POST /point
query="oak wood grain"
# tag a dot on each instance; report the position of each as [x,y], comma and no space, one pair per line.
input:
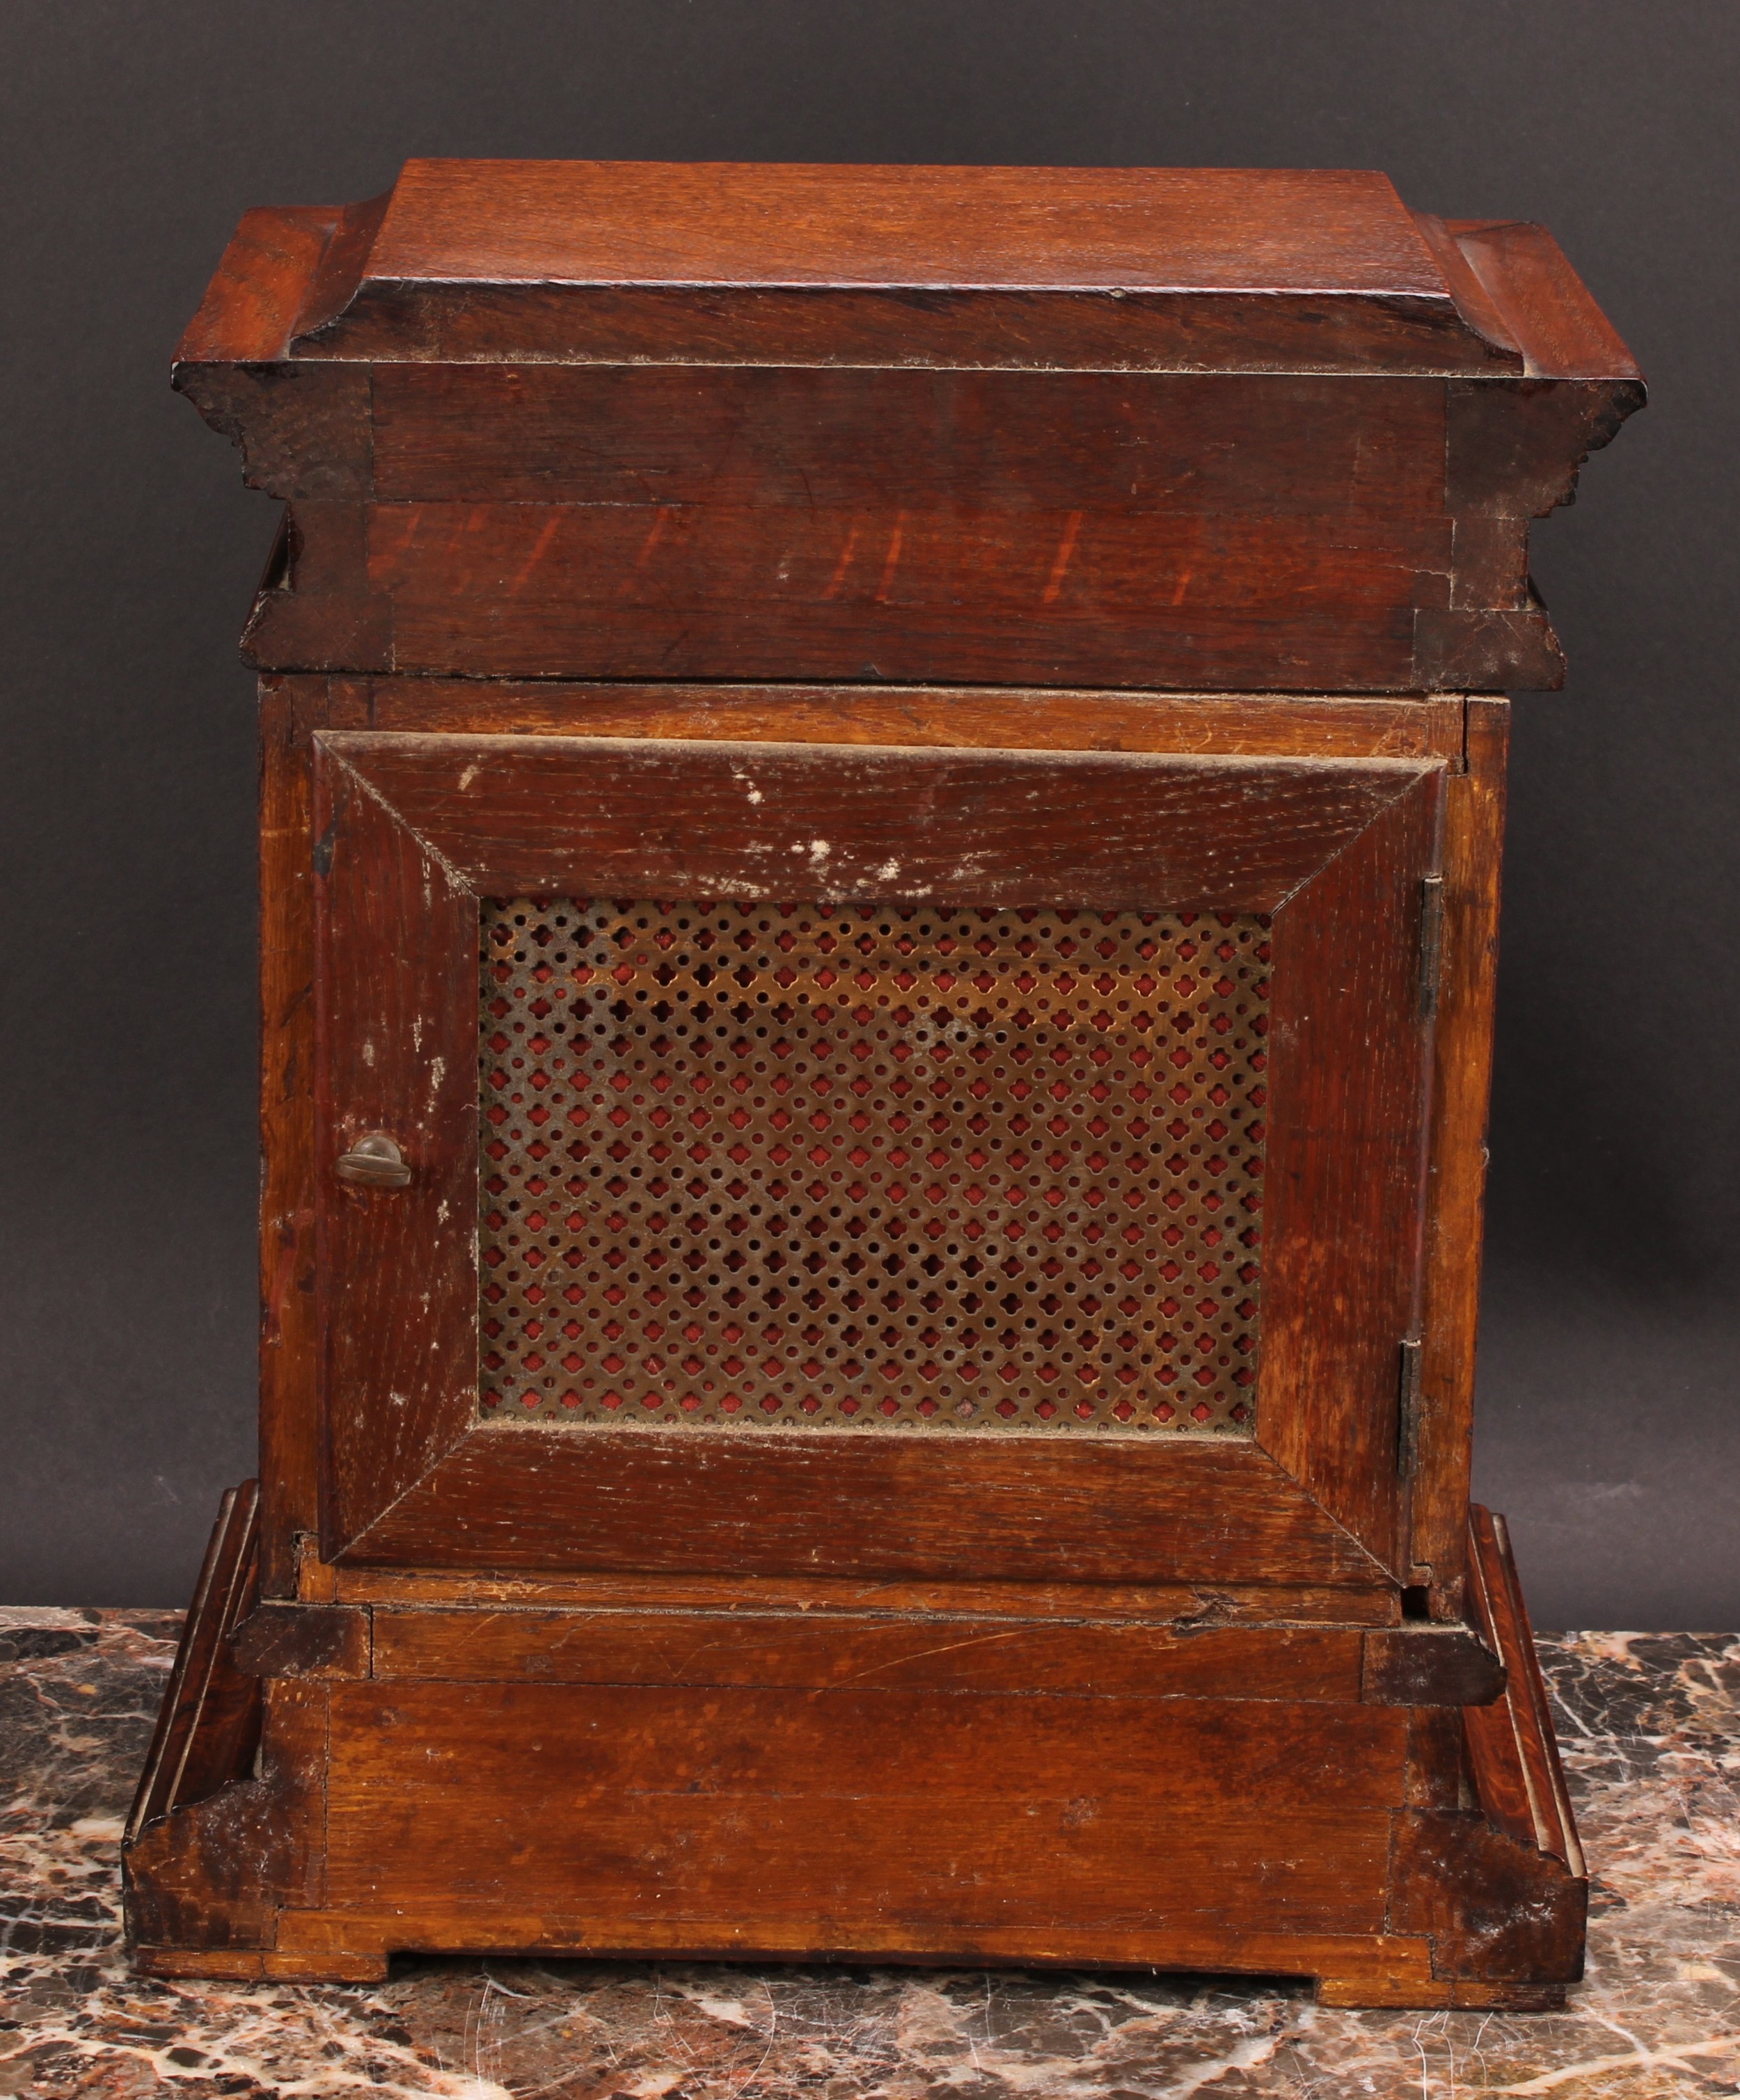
[1072,596]
[1548,311]
[397,1267]
[1350,1049]
[722,1811]
[250,306]
[1185,1606]
[1418,1665]
[210,1720]
[1110,830]
[214,1873]
[858,439]
[569,816]
[1098,537]
[1205,724]
[1377,1970]
[289,1410]
[1461,1083]
[1511,1751]
[713,223]
[886,1505]
[889,1822]
[946,1653]
[293,1640]
[1320,265]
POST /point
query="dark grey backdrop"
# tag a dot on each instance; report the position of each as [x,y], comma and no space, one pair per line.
[134,135]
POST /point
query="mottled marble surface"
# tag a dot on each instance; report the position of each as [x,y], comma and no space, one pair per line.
[1650,1725]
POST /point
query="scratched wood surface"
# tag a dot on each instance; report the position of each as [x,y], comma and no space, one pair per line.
[1113,531]
[395,1012]
[700,1834]
[1127,427]
[289,1415]
[1243,726]
[904,1786]
[1169,598]
[951,1653]
[295,709]
[748,436]
[722,223]
[1215,268]
[1187,1605]
[1196,260]
[413,826]
[1461,1091]
[890,1505]
[1106,830]
[1346,1181]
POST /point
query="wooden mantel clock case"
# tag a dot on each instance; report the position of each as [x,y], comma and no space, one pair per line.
[881,797]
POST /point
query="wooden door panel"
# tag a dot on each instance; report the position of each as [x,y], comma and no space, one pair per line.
[416,828]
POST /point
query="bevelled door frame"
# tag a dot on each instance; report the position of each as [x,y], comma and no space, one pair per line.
[412,830]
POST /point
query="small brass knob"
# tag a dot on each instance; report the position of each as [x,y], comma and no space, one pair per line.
[373,1162]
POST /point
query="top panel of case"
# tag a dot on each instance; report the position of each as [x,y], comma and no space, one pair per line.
[1207,269]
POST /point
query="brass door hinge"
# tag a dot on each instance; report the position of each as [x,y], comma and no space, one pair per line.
[1431,941]
[1407,1409]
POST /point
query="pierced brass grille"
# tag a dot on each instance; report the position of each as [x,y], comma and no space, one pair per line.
[815,1164]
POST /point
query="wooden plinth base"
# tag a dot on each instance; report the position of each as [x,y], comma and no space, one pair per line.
[335,1783]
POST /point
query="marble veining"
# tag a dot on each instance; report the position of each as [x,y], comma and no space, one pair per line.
[1651,1727]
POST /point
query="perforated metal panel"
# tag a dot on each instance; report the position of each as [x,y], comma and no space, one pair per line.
[867,1165]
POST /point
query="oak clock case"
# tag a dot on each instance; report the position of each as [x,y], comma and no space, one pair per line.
[881,794]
